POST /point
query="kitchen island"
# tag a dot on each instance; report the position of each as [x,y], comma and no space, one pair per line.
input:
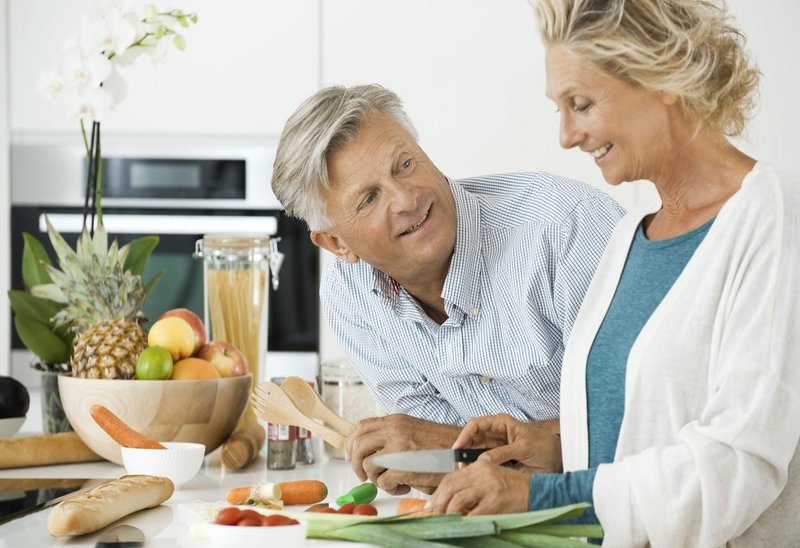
[171,523]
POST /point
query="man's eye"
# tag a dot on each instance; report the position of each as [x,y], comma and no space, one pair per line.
[368,199]
[406,164]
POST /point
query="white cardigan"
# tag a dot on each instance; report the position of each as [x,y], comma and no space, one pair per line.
[707,450]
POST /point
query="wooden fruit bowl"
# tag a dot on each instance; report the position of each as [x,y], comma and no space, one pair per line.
[198,411]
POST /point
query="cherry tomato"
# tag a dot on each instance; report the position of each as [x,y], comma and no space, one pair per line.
[249,522]
[228,516]
[365,510]
[252,514]
[277,519]
[346,508]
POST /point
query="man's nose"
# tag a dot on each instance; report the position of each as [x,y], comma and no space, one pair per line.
[404,197]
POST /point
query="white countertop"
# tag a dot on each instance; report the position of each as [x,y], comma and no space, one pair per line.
[167,524]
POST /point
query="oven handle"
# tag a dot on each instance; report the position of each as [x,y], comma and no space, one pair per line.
[72,223]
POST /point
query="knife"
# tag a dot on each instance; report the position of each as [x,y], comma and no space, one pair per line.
[429,460]
[121,536]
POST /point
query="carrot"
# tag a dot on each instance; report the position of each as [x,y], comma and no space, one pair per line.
[119,431]
[303,491]
[265,493]
[415,508]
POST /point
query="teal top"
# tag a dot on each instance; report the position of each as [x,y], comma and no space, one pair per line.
[650,270]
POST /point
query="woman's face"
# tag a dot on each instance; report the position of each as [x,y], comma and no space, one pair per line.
[628,130]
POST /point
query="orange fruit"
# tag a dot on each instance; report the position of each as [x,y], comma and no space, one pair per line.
[193,369]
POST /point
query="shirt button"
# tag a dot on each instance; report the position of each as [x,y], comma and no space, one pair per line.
[475,311]
[485,379]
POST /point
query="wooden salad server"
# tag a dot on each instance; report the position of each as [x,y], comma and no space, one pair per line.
[273,405]
[309,403]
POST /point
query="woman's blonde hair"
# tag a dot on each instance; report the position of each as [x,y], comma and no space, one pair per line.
[686,47]
[326,121]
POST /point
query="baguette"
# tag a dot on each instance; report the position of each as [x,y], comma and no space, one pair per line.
[40,450]
[91,510]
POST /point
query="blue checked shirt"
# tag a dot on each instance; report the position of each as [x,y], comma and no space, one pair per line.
[526,247]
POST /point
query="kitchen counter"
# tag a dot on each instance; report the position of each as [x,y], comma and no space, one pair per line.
[170,523]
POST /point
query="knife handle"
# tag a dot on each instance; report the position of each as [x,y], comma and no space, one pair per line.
[471,455]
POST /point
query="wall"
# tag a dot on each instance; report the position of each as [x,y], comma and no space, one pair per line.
[5,199]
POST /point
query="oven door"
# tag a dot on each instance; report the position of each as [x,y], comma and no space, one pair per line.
[293,308]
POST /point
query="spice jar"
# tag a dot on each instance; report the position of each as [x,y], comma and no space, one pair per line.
[281,443]
[305,447]
[344,393]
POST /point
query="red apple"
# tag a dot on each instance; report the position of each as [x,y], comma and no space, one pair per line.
[194,322]
[228,360]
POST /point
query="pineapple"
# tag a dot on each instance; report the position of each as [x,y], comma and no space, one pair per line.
[103,304]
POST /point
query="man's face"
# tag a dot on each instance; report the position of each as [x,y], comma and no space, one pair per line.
[389,204]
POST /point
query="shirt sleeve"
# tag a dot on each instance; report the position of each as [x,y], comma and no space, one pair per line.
[396,384]
[585,232]
[553,490]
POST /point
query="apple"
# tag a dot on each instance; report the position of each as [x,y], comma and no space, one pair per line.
[194,321]
[174,334]
[228,360]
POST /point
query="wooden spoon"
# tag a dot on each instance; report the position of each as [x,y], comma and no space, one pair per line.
[310,404]
[273,405]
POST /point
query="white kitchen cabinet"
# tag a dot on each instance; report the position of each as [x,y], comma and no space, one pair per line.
[247,64]
[5,200]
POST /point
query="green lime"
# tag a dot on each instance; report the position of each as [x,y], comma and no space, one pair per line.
[154,364]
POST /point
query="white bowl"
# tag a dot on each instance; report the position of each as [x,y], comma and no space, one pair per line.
[9,427]
[180,462]
[234,536]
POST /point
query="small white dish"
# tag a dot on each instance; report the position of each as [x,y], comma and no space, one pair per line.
[180,461]
[235,536]
[9,427]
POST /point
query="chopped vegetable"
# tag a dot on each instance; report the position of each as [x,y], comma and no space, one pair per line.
[303,491]
[360,494]
[414,508]
[266,493]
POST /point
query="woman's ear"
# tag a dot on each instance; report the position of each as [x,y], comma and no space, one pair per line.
[334,244]
[668,98]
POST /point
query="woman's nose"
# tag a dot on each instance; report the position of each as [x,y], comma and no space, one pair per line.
[569,133]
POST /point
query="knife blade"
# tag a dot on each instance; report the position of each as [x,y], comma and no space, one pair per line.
[427,460]
[121,536]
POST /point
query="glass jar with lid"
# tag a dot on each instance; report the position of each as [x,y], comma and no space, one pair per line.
[344,393]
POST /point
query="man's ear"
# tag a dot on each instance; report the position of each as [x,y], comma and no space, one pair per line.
[334,244]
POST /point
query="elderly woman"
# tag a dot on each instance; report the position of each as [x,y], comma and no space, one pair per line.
[680,396]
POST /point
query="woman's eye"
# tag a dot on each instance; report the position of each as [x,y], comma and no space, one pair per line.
[368,199]
[406,164]
[582,106]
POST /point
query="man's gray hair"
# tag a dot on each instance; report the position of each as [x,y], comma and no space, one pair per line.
[325,122]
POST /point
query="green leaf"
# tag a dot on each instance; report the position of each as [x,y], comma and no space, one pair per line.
[183,21]
[535,540]
[565,530]
[483,542]
[138,251]
[50,292]
[160,32]
[193,17]
[151,283]
[36,308]
[179,42]
[380,536]
[34,257]
[40,339]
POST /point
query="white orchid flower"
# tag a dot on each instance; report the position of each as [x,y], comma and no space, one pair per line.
[87,102]
[78,69]
[50,84]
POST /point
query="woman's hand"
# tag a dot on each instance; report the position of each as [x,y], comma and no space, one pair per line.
[482,488]
[536,449]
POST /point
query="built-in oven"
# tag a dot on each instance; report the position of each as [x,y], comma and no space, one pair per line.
[179,193]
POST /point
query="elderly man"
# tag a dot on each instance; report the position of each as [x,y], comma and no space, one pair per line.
[452,298]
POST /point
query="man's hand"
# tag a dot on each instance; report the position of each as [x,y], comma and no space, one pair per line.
[537,449]
[396,433]
[482,488]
